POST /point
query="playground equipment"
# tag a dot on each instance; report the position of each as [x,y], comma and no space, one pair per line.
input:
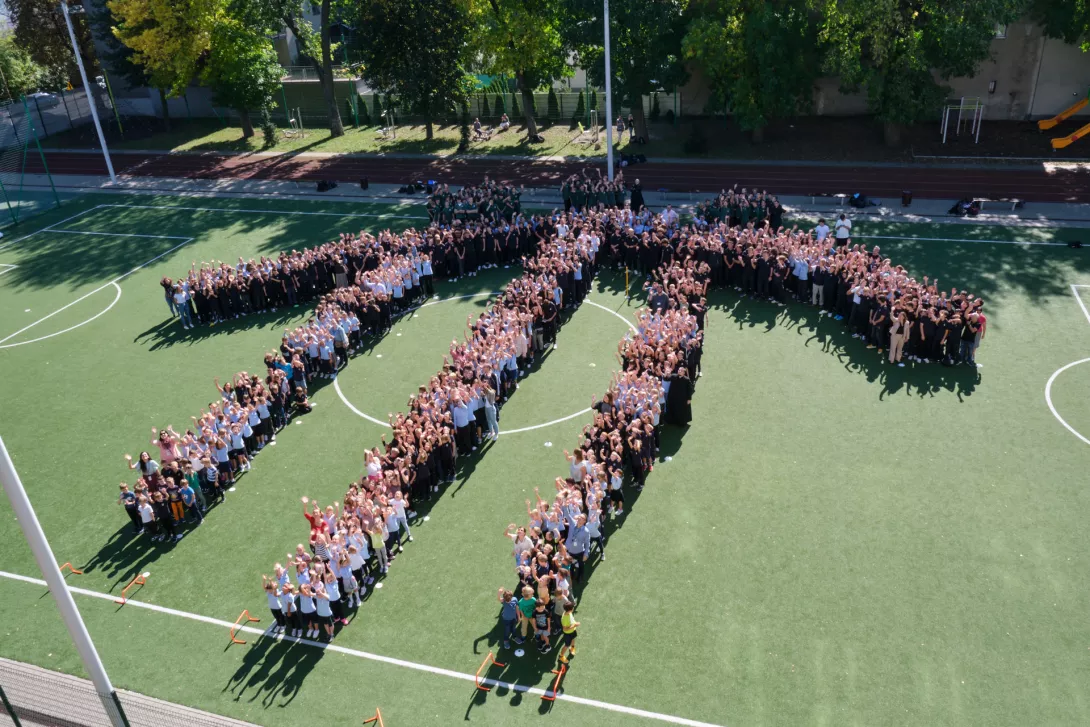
[1065,141]
[970,111]
[249,619]
[490,659]
[138,581]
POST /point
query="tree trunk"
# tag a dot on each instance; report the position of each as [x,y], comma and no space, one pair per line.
[429,126]
[247,123]
[166,109]
[429,130]
[758,134]
[640,120]
[892,133]
[527,106]
[325,76]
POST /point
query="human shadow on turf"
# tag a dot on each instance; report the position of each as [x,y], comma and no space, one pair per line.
[535,669]
[835,338]
[273,670]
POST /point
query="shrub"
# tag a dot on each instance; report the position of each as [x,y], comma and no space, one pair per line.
[580,110]
[655,111]
[268,128]
[485,111]
[669,115]
[554,106]
[463,141]
[499,108]
[515,112]
[365,118]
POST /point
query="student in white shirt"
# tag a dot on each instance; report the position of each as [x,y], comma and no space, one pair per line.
[822,230]
[843,231]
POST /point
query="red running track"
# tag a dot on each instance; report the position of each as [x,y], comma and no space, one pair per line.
[1031,184]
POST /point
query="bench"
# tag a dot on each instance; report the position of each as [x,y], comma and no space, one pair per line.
[1014,202]
[841,198]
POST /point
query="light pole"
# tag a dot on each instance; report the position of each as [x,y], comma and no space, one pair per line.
[87,89]
[609,97]
[43,554]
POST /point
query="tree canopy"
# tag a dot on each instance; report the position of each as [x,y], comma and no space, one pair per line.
[21,74]
[40,31]
[760,57]
[895,49]
[645,47]
[416,50]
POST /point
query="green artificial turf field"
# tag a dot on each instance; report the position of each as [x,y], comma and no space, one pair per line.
[834,541]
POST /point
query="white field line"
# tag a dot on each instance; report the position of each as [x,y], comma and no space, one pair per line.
[6,268]
[438,671]
[119,234]
[105,285]
[1056,374]
[1075,292]
[101,313]
[958,239]
[581,412]
[50,227]
[263,212]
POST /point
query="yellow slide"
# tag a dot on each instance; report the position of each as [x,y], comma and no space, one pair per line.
[1049,123]
[1070,139]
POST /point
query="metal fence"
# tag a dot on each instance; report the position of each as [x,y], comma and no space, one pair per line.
[26,187]
[51,114]
[35,696]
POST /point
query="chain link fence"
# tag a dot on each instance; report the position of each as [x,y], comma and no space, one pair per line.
[32,696]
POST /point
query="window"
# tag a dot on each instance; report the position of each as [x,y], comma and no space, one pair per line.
[1000,30]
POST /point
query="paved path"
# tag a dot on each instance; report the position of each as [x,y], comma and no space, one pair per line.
[1034,184]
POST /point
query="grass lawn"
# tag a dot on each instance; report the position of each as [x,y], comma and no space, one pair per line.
[833,541]
[211,135]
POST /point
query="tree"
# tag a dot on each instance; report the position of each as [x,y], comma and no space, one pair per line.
[21,75]
[1067,20]
[242,70]
[40,30]
[521,39]
[169,39]
[315,47]
[760,57]
[895,49]
[645,39]
[417,49]
[118,59]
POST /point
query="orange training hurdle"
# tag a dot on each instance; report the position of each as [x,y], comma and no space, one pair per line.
[138,581]
[376,718]
[244,615]
[556,685]
[484,664]
[69,567]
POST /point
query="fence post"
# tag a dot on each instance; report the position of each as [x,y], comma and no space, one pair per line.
[11,210]
[9,708]
[109,90]
[41,154]
[284,95]
[40,117]
[71,124]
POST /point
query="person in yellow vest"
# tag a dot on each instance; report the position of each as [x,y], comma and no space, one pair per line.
[569,625]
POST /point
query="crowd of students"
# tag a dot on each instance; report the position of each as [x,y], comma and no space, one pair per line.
[659,364]
[904,318]
[353,543]
[488,202]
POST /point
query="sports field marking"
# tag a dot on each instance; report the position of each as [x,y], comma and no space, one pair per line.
[1051,379]
[142,265]
[4,268]
[439,671]
[390,216]
[119,234]
[48,228]
[958,239]
[102,312]
[368,417]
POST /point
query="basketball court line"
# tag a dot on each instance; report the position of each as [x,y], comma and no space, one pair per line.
[438,671]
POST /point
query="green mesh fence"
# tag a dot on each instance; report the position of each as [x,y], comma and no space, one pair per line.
[25,182]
